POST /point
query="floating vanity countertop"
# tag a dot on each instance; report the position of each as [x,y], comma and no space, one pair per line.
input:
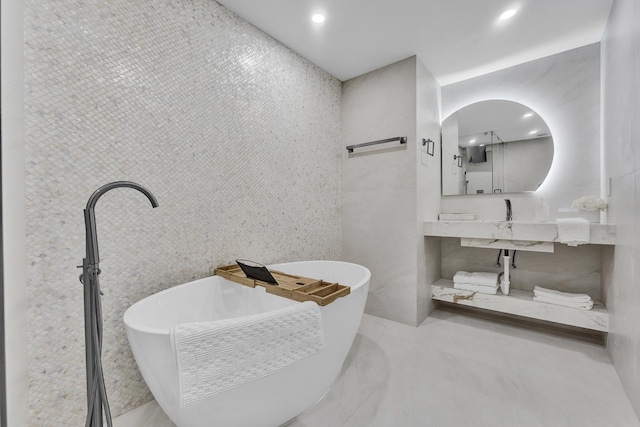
[521,303]
[601,234]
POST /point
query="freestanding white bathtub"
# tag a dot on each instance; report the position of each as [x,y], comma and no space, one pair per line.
[269,401]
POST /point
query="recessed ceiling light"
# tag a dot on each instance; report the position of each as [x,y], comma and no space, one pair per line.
[533,132]
[471,141]
[318,18]
[527,115]
[507,14]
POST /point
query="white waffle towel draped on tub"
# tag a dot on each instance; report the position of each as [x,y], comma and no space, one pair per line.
[216,356]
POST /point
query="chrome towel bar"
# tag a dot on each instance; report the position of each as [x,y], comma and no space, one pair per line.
[402,139]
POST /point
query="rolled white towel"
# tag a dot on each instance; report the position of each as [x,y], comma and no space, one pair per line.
[491,290]
[573,231]
[566,296]
[565,303]
[478,279]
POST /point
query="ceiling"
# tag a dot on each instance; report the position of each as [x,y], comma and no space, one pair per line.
[506,118]
[455,39]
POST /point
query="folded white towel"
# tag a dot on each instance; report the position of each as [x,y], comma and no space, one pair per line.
[565,303]
[479,279]
[573,231]
[567,296]
[491,290]
[216,356]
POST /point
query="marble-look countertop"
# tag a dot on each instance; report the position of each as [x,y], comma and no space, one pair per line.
[601,234]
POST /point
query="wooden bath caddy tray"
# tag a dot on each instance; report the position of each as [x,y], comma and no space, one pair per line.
[297,288]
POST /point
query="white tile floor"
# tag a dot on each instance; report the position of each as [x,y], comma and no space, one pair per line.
[461,370]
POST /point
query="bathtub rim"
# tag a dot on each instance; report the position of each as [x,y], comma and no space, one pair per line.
[167,331]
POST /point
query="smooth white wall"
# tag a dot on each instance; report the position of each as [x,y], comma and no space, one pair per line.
[388,191]
[13,213]
[379,187]
[428,186]
[621,150]
[564,89]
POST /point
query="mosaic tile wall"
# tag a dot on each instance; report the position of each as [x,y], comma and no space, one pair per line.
[236,135]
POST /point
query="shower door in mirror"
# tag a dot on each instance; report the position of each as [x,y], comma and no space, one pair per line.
[494,146]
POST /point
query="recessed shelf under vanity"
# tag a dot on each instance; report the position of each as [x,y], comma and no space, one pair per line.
[521,236]
[521,303]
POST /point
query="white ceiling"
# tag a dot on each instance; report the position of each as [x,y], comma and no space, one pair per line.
[455,39]
[505,118]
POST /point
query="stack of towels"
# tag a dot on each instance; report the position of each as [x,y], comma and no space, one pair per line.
[573,231]
[567,299]
[484,283]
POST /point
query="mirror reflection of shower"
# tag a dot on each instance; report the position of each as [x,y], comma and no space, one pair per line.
[466,183]
[494,146]
[482,156]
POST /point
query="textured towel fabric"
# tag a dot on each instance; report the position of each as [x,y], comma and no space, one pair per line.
[573,231]
[216,356]
[491,290]
[567,296]
[565,303]
[479,279]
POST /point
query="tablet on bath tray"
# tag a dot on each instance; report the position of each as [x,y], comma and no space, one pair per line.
[256,271]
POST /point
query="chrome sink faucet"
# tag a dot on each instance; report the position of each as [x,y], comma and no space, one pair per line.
[509,212]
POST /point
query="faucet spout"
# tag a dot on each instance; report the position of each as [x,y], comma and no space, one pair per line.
[509,211]
[93,257]
[107,187]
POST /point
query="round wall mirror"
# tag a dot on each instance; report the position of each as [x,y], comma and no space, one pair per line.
[494,146]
